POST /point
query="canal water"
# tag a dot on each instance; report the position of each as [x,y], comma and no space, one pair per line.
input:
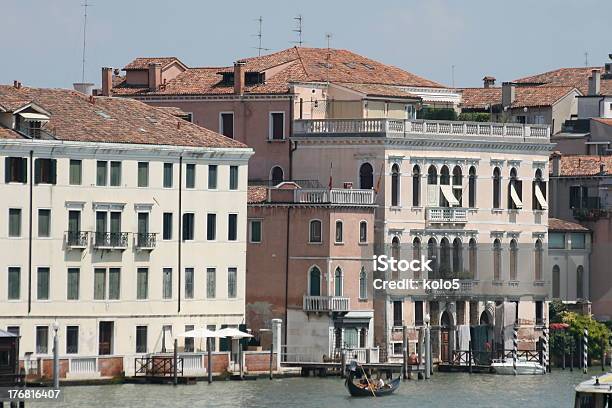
[442,390]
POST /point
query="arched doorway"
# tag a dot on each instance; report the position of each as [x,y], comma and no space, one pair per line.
[446,338]
[366,176]
[276,175]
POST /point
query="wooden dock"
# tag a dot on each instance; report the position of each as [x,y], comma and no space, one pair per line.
[323,369]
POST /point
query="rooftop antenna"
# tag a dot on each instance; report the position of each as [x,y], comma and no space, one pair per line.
[586,59]
[453,75]
[259,36]
[328,37]
[85,5]
[299,19]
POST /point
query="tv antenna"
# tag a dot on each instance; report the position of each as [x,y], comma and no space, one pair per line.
[586,59]
[299,20]
[453,75]
[328,37]
[259,36]
[84,5]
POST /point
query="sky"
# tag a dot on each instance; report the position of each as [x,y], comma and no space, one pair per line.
[42,40]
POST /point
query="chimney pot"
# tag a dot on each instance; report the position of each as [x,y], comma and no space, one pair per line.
[488,81]
[16,84]
[107,81]
[155,76]
[595,82]
[508,93]
[239,77]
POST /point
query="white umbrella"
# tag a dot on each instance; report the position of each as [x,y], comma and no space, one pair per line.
[233,333]
[200,333]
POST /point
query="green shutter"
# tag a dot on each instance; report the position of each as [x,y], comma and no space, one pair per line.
[53,171]
[8,173]
[24,170]
[36,171]
[224,342]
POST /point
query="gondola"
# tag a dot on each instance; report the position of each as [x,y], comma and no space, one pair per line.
[357,391]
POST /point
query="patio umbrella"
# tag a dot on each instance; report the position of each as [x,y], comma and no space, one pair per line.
[201,333]
[233,333]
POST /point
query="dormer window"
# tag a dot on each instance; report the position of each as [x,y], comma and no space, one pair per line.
[30,123]
[254,78]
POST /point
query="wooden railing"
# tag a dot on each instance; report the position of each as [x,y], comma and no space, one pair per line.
[157,366]
[326,304]
[334,196]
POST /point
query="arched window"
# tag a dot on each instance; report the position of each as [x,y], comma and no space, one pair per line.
[538,259]
[277,175]
[395,254]
[314,285]
[513,259]
[556,278]
[366,176]
[538,196]
[458,184]
[445,258]
[515,191]
[445,181]
[395,185]
[496,188]
[416,186]
[473,258]
[472,188]
[338,282]
[432,175]
[457,258]
[580,282]
[497,260]
[363,232]
[433,256]
[339,232]
[416,254]
[363,284]
[315,231]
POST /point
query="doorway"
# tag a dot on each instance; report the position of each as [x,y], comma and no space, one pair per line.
[445,339]
[105,338]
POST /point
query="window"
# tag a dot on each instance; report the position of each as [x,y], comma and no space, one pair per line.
[556,240]
[75,176]
[211,227]
[232,227]
[45,171]
[458,185]
[513,260]
[142,237]
[472,187]
[72,339]
[276,175]
[497,260]
[339,232]
[575,196]
[188,283]
[539,312]
[101,173]
[255,231]
[212,176]
[189,341]
[99,283]
[72,290]
[314,281]
[315,232]
[42,283]
[496,188]
[141,339]
[538,259]
[14,222]
[277,125]
[538,197]
[338,282]
[473,258]
[44,223]
[167,283]
[578,240]
[115,173]
[42,339]
[142,283]
[168,170]
[16,170]
[226,124]
[167,228]
[457,258]
[398,318]
[515,191]
[232,282]
[432,176]
[190,175]
[143,174]
[556,280]
[416,254]
[445,258]
[395,185]
[211,283]
[363,232]
[212,341]
[188,226]
[416,186]
[114,283]
[580,282]
[433,256]
[366,176]
[363,284]
[14,283]
[395,254]
[418,313]
[233,178]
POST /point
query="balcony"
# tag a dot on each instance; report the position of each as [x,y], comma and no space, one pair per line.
[76,239]
[326,304]
[446,215]
[397,128]
[347,196]
[110,240]
[145,241]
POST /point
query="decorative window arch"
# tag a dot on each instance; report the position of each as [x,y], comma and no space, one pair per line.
[457,257]
[445,258]
[497,259]
[314,281]
[458,184]
[432,254]
[339,232]
[580,282]
[363,232]
[416,254]
[338,282]
[515,191]
[416,186]
[366,176]
[277,175]
[363,284]
[496,188]
[538,194]
[395,253]
[472,187]
[432,175]
[513,260]
[538,259]
[556,282]
[395,185]
[473,258]
[315,232]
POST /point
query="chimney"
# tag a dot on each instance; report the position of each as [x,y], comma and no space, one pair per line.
[556,163]
[488,81]
[508,93]
[595,82]
[239,77]
[16,84]
[107,81]
[154,76]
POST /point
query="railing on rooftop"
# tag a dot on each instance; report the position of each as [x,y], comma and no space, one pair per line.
[334,196]
[399,128]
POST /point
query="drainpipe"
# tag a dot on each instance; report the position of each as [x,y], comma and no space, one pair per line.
[30,232]
[180,228]
[287,252]
[291,148]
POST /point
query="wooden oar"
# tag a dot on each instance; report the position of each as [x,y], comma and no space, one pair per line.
[368,380]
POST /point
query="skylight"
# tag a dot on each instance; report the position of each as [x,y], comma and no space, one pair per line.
[103,114]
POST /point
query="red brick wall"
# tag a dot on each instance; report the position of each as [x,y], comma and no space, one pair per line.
[110,366]
[220,361]
[47,368]
[259,361]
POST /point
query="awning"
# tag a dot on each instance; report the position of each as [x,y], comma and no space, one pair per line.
[233,333]
[447,191]
[200,333]
[515,197]
[29,116]
[540,197]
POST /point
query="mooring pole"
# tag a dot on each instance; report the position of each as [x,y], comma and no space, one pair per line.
[209,367]
[603,355]
[240,359]
[405,353]
[342,363]
[427,353]
[56,368]
[585,351]
[271,353]
[572,345]
[470,356]
[563,353]
[420,351]
[546,358]
[175,368]
[514,349]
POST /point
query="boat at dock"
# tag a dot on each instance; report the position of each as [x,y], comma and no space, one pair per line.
[523,367]
[594,393]
[369,387]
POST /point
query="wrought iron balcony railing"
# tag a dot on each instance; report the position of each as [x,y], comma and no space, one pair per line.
[76,239]
[111,239]
[145,240]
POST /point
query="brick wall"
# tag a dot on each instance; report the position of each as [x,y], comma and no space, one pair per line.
[47,368]
[110,366]
[220,361]
[258,361]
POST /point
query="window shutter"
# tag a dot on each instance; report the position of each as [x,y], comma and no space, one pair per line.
[24,170]
[36,171]
[7,170]
[53,171]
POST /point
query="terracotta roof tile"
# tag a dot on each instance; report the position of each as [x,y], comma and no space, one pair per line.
[257,194]
[9,134]
[143,63]
[583,165]
[526,96]
[576,77]
[555,224]
[114,120]
[379,90]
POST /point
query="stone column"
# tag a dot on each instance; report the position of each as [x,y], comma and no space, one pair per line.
[277,338]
